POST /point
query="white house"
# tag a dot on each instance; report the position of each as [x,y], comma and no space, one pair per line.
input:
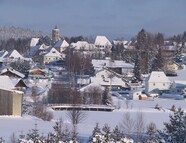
[61,45]
[156,81]
[52,55]
[120,66]
[83,46]
[102,43]
[108,78]
[13,54]
[11,73]
[3,53]
[33,42]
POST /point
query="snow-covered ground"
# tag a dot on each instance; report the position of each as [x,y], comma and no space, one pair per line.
[18,125]
[10,124]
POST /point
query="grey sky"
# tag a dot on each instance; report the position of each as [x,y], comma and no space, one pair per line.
[113,18]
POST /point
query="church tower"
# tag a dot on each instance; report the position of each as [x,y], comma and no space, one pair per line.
[55,34]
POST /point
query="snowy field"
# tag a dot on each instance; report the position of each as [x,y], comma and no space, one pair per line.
[18,125]
[11,124]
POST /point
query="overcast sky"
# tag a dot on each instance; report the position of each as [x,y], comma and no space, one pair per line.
[113,18]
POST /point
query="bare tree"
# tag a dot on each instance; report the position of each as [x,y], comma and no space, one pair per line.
[139,126]
[127,124]
[127,103]
[76,116]
[13,138]
[93,95]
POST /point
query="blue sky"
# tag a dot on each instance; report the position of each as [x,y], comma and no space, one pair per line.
[113,18]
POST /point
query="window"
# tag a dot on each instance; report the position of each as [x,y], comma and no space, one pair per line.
[154,84]
[163,84]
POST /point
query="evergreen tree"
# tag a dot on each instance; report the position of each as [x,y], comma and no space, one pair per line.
[34,135]
[137,70]
[107,133]
[96,134]
[66,134]
[159,61]
[106,98]
[57,135]
[175,130]
[142,38]
[116,134]
[96,130]
[152,133]
[145,46]
[184,36]
[159,39]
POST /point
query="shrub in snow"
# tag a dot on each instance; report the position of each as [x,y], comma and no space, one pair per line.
[40,111]
[173,108]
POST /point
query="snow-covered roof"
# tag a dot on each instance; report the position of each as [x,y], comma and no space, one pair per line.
[53,53]
[36,48]
[107,77]
[102,40]
[4,70]
[7,83]
[110,63]
[115,81]
[116,42]
[33,42]
[61,44]
[180,83]
[158,76]
[84,45]
[14,54]
[3,53]
[83,81]
[92,85]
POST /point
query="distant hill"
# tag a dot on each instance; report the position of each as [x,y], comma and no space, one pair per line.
[19,33]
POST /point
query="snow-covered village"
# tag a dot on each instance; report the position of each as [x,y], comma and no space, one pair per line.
[56,88]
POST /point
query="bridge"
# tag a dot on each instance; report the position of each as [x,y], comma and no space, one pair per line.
[83,107]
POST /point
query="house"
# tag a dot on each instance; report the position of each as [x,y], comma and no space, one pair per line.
[83,80]
[173,66]
[52,55]
[178,87]
[83,46]
[13,54]
[108,78]
[102,43]
[11,73]
[3,53]
[33,42]
[156,82]
[61,45]
[38,73]
[12,83]
[11,102]
[120,67]
[37,49]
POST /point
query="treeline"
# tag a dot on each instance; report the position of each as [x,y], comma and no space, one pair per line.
[17,44]
[61,94]
[18,33]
